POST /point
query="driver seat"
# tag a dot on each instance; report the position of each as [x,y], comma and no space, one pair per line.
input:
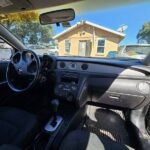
[17,127]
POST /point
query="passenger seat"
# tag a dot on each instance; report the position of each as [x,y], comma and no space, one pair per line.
[84,140]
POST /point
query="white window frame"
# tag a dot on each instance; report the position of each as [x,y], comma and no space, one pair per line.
[100,46]
[67,51]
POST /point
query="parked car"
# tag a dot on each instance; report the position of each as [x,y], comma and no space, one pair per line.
[40,49]
[137,51]
[112,54]
[53,50]
[4,45]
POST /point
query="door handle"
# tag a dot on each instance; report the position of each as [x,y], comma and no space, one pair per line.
[115,97]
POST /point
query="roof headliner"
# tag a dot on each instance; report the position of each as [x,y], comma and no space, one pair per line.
[49,5]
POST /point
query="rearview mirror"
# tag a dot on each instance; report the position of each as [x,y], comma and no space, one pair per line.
[58,16]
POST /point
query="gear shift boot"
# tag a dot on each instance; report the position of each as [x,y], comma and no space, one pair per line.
[51,126]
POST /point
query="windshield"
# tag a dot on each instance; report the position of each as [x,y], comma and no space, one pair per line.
[119,32]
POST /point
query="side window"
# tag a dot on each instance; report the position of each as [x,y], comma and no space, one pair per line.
[5,51]
[101,45]
[67,46]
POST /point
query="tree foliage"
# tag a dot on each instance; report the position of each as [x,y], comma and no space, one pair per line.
[26,27]
[144,33]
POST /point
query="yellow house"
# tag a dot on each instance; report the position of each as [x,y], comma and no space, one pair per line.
[88,39]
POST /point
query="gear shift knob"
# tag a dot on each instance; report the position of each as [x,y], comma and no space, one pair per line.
[55,105]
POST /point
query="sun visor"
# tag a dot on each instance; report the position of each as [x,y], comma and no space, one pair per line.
[9,6]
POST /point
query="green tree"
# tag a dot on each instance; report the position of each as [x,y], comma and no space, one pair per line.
[144,33]
[27,28]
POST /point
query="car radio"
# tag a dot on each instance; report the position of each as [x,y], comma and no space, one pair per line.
[67,86]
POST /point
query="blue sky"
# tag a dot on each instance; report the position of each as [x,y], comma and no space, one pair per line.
[132,15]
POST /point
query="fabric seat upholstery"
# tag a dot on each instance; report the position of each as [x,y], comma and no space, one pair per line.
[9,147]
[17,127]
[84,140]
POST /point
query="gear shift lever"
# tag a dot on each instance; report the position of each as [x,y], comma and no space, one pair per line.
[55,120]
[54,107]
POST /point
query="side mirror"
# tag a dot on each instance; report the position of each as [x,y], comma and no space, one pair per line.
[58,16]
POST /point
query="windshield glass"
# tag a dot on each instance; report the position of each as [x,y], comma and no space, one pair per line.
[120,32]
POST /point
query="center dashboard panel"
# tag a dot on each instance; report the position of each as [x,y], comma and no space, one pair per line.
[114,85]
[67,85]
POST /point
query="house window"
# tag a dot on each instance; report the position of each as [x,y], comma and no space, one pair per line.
[101,45]
[67,46]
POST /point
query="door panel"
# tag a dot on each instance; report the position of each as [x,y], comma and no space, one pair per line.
[3,68]
[5,54]
[4,89]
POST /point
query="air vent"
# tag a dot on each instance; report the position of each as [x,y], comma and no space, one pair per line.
[62,65]
[84,66]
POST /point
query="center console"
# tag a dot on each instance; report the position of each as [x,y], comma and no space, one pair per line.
[67,86]
[66,116]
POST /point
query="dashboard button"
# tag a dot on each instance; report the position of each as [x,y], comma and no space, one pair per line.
[73,66]
[70,97]
[74,88]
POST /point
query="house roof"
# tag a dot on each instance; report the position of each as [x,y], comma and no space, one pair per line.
[91,24]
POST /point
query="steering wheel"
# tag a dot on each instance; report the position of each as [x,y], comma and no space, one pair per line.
[23,70]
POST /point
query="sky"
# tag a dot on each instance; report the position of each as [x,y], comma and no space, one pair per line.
[134,16]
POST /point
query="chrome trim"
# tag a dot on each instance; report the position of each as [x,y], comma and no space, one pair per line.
[49,127]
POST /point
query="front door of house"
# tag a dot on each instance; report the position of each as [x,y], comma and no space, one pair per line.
[84,48]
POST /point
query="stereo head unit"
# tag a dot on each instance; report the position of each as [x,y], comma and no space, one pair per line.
[69,77]
[67,86]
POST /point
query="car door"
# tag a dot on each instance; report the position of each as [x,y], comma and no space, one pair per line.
[5,54]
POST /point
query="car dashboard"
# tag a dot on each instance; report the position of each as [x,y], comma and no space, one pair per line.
[115,83]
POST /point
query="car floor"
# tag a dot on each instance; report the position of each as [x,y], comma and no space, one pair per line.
[108,123]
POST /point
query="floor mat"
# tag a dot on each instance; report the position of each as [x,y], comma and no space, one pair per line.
[107,123]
